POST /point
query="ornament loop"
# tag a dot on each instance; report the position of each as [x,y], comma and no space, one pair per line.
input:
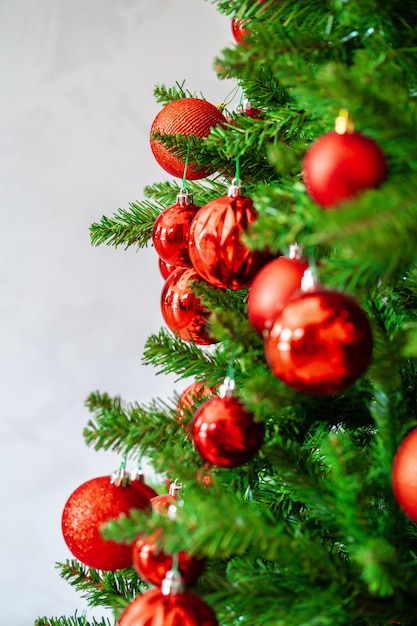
[309,281]
[184,197]
[227,388]
[172,583]
[296,251]
[343,123]
[235,189]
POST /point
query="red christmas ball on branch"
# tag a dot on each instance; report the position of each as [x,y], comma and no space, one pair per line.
[189,117]
[155,608]
[320,343]
[404,475]
[171,231]
[223,432]
[182,309]
[196,392]
[91,505]
[273,286]
[216,249]
[342,163]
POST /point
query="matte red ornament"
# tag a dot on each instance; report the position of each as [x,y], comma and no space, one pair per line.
[165,268]
[171,231]
[273,286]
[341,164]
[154,608]
[92,504]
[185,116]
[320,343]
[224,433]
[152,562]
[404,475]
[182,310]
[216,249]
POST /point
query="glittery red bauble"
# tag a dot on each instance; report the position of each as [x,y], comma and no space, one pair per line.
[339,166]
[185,116]
[171,231]
[271,289]
[165,268]
[216,249]
[152,563]
[320,343]
[224,434]
[153,608]
[181,308]
[92,504]
[404,475]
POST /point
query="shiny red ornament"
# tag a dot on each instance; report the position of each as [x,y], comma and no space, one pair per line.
[152,562]
[91,505]
[338,166]
[182,310]
[154,608]
[216,249]
[240,30]
[404,475]
[196,392]
[171,231]
[320,343]
[165,268]
[185,116]
[273,286]
[224,433]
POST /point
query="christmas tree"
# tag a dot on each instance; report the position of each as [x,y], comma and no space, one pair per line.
[286,234]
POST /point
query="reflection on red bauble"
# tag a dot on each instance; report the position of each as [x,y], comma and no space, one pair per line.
[152,562]
[181,308]
[320,343]
[91,505]
[165,268]
[154,608]
[271,289]
[171,231]
[185,116]
[338,166]
[224,434]
[404,475]
[216,249]
[240,30]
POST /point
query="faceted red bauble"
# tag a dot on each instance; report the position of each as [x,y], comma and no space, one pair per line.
[216,249]
[171,231]
[153,608]
[165,268]
[152,563]
[404,475]
[320,343]
[338,166]
[181,308]
[224,434]
[271,289]
[92,504]
[185,116]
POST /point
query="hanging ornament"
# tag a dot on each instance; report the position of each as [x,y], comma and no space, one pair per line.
[152,562]
[161,504]
[196,392]
[342,163]
[273,286]
[169,605]
[182,310]
[223,432]
[189,117]
[404,475]
[91,505]
[171,231]
[241,31]
[216,249]
[165,268]
[320,342]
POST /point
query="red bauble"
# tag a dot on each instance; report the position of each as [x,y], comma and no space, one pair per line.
[196,392]
[224,434]
[161,504]
[339,166]
[92,504]
[404,475]
[152,563]
[185,116]
[240,30]
[271,289]
[181,308]
[171,231]
[216,249]
[154,608]
[320,343]
[165,268]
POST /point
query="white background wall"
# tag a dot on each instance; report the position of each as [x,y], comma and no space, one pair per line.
[76,105]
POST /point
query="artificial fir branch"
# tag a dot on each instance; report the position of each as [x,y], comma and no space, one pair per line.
[72,621]
[126,227]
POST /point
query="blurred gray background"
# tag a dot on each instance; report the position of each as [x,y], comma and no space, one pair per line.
[76,104]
